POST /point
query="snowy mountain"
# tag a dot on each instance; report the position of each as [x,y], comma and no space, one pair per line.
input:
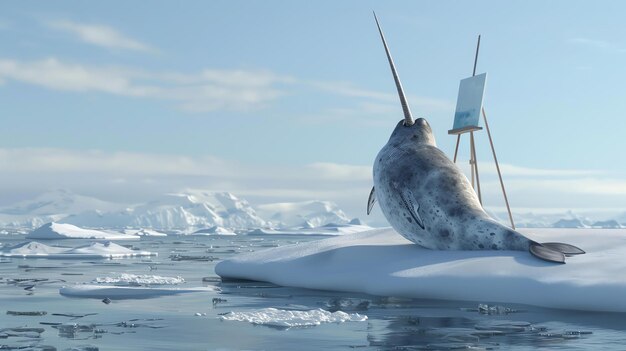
[49,207]
[307,214]
[57,202]
[570,223]
[197,210]
[609,224]
[184,212]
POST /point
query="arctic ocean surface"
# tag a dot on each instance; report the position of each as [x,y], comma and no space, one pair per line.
[175,301]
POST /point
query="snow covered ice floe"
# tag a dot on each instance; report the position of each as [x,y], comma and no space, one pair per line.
[126,279]
[290,318]
[54,230]
[35,249]
[126,292]
[381,262]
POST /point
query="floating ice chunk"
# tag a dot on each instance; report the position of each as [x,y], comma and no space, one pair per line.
[54,230]
[126,279]
[107,249]
[125,292]
[287,319]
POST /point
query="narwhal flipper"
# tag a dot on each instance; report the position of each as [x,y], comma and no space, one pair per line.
[371,200]
[412,206]
[565,249]
[545,253]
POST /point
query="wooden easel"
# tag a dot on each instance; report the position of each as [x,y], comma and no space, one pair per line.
[473,161]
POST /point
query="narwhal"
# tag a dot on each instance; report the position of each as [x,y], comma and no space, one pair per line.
[428,200]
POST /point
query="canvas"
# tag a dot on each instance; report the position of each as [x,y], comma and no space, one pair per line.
[469,102]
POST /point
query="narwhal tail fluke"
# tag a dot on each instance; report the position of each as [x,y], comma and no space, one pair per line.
[408,119]
[566,249]
[554,252]
[547,254]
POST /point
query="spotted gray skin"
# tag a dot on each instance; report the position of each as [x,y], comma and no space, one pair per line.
[411,165]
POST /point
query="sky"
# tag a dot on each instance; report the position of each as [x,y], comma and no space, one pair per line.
[291,100]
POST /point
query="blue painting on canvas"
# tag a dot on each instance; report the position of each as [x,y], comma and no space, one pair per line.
[469,102]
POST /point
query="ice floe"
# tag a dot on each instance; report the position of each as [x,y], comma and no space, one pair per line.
[126,279]
[55,230]
[35,249]
[289,318]
[381,262]
[126,292]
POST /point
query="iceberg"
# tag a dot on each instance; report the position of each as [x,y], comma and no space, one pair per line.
[50,206]
[381,262]
[95,250]
[54,230]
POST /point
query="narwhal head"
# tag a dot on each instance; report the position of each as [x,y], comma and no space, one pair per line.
[417,133]
[408,129]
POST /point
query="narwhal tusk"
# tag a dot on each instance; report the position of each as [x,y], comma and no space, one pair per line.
[408,119]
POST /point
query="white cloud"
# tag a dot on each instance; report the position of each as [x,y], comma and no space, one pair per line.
[49,160]
[53,74]
[208,90]
[204,91]
[100,35]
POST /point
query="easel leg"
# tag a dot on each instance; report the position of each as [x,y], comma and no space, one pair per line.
[495,158]
[471,161]
[456,149]
[475,168]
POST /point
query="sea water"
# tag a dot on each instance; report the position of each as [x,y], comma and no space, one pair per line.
[243,315]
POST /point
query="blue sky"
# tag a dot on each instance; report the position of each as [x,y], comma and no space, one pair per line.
[291,100]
